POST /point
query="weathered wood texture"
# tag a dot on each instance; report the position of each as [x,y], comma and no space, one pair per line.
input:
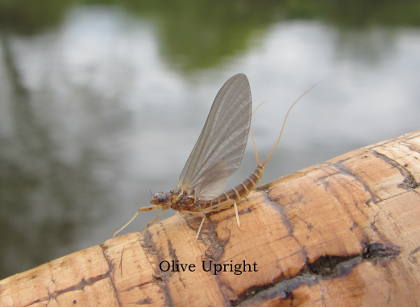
[342,233]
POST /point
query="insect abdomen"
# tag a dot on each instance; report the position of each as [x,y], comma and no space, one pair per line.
[238,192]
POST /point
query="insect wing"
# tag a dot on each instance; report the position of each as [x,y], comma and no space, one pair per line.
[221,144]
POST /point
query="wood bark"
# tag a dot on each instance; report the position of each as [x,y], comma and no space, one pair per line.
[342,233]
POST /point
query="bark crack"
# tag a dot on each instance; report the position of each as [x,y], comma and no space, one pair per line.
[174,256]
[411,146]
[215,251]
[324,268]
[83,283]
[283,215]
[286,221]
[409,182]
[110,273]
[411,256]
[79,286]
[159,278]
[344,170]
[137,286]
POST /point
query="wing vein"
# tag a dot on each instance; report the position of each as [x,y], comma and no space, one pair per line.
[222,141]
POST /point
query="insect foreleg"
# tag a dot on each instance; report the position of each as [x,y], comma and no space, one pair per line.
[144,209]
[148,208]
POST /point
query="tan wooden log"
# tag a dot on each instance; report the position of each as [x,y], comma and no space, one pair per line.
[342,233]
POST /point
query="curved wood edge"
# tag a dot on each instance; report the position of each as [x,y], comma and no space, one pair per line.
[345,232]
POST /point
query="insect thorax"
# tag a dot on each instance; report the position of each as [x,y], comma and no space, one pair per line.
[183,202]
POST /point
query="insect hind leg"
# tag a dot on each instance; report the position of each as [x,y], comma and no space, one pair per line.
[201,226]
[237,214]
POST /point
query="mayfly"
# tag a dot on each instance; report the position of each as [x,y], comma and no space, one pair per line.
[216,155]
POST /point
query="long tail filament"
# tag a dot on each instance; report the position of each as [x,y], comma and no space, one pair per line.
[283,125]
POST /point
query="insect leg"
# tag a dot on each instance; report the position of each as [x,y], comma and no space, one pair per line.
[144,209]
[201,225]
[236,213]
[217,207]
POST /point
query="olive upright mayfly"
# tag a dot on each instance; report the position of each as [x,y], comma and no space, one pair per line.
[216,155]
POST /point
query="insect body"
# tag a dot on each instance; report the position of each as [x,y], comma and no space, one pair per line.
[216,155]
[234,194]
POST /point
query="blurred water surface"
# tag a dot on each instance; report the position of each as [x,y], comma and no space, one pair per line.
[101,102]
